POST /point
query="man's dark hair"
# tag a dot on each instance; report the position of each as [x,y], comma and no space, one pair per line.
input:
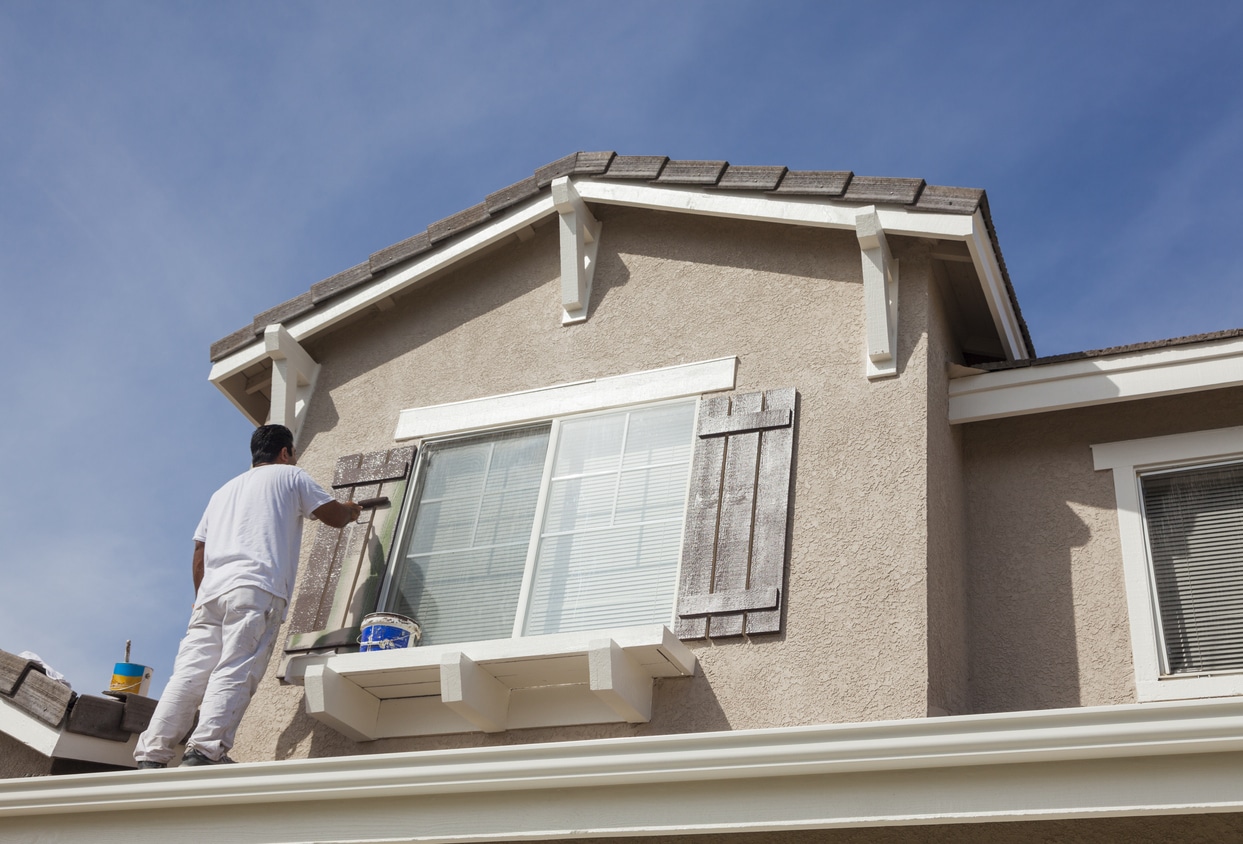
[266,443]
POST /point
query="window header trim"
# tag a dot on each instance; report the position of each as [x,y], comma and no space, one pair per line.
[672,382]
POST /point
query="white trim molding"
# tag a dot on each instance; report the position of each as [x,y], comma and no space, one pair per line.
[558,680]
[1136,760]
[1127,459]
[880,295]
[570,199]
[671,382]
[1125,376]
[294,373]
[580,241]
[57,742]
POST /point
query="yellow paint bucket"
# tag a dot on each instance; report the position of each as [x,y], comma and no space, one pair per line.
[131,678]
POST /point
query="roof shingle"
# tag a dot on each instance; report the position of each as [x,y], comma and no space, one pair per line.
[715,175]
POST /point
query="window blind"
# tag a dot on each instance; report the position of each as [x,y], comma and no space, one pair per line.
[1194,521]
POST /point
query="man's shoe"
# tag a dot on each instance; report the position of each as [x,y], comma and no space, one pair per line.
[194,757]
[147,763]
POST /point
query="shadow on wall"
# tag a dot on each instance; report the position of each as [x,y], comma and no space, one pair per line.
[1047,600]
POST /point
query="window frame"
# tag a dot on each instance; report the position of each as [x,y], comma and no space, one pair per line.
[1129,460]
[414,496]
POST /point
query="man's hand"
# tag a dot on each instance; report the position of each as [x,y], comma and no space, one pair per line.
[338,514]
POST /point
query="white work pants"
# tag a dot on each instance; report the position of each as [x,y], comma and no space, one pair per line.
[219,664]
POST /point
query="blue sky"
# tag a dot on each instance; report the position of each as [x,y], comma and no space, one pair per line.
[168,170]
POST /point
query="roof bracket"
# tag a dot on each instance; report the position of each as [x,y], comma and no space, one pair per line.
[880,295]
[294,373]
[580,238]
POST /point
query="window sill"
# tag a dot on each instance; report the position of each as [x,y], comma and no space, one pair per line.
[595,677]
[1191,687]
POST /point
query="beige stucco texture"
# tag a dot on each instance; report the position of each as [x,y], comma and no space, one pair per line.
[1047,604]
[669,289]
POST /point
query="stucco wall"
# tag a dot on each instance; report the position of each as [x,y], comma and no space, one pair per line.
[1048,618]
[671,289]
[947,579]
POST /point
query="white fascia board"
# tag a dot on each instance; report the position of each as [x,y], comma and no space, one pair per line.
[988,270]
[1079,383]
[814,211]
[671,382]
[325,316]
[55,742]
[1152,759]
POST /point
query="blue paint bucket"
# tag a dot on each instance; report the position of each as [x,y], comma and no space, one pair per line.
[386,631]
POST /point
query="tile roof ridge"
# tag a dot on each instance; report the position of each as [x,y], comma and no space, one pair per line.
[1147,345]
[777,181]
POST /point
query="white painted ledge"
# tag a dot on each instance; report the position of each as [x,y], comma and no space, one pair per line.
[534,681]
[671,382]
[1125,376]
[1138,760]
[56,742]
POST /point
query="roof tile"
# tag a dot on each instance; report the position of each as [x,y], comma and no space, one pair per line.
[560,167]
[341,282]
[815,182]
[593,163]
[692,172]
[512,195]
[295,307]
[226,346]
[645,167]
[399,252]
[459,222]
[749,177]
[1191,339]
[841,184]
[878,189]
[952,200]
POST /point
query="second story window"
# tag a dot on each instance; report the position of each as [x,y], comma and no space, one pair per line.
[1193,518]
[574,524]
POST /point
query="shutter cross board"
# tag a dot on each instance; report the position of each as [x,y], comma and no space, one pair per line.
[337,584]
[733,556]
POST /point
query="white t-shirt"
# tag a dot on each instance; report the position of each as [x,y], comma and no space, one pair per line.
[252,530]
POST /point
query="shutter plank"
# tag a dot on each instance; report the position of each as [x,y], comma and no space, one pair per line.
[768,540]
[733,550]
[699,545]
[733,559]
[339,578]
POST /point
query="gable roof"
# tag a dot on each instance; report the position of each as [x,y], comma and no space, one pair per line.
[838,186]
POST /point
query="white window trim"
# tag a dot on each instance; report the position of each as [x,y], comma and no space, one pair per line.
[610,672]
[1127,459]
[533,543]
[671,382]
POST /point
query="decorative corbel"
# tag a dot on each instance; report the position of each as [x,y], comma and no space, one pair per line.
[580,237]
[293,378]
[880,294]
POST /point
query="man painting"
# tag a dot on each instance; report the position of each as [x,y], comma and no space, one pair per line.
[246,552]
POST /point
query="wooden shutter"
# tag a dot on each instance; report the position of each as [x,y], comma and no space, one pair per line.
[733,556]
[341,577]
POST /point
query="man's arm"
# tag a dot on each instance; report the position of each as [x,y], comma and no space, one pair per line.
[197,566]
[337,514]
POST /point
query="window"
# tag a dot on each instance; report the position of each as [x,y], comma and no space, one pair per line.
[1180,516]
[1193,519]
[574,524]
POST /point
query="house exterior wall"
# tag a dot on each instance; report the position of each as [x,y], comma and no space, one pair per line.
[1048,615]
[947,586]
[672,289]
